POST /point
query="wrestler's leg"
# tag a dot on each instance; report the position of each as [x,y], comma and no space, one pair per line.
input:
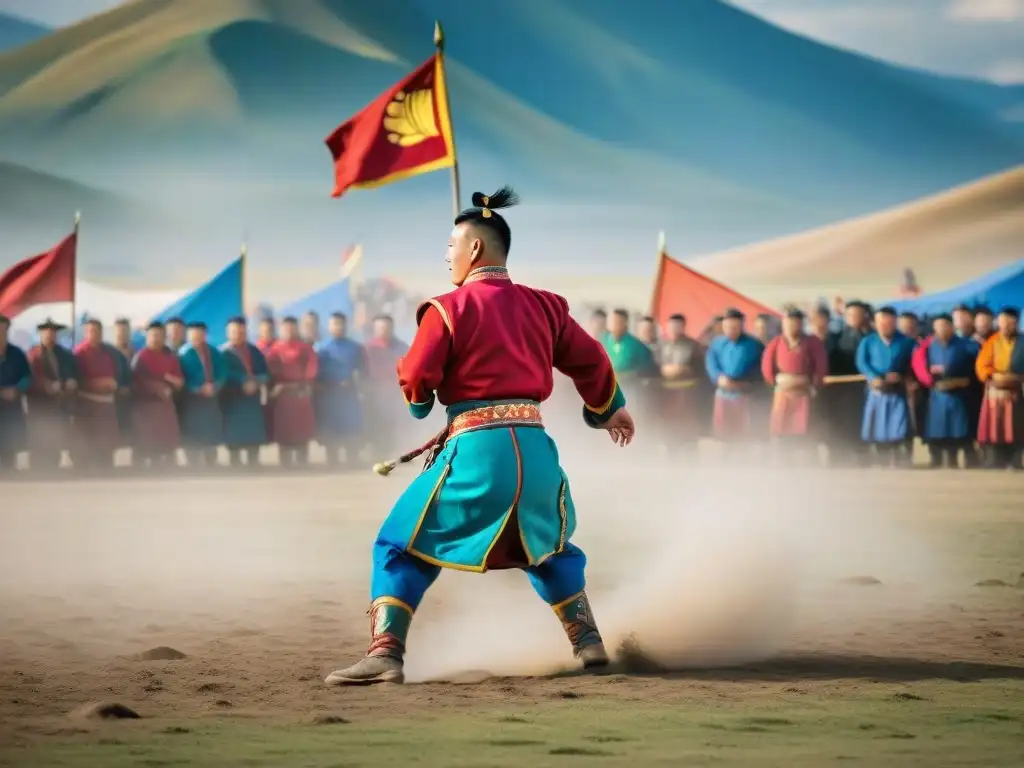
[560,581]
[397,586]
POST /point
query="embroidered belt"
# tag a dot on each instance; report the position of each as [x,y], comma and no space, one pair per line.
[490,416]
[679,383]
[96,398]
[996,393]
[792,382]
[947,385]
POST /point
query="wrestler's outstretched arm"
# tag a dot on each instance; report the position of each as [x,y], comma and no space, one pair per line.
[584,360]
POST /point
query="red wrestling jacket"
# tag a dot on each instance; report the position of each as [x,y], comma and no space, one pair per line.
[492,339]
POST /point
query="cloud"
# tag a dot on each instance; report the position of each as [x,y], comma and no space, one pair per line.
[1007,72]
[985,11]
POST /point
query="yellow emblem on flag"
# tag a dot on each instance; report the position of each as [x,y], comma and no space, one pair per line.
[410,118]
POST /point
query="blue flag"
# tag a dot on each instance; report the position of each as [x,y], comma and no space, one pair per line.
[213,303]
[332,298]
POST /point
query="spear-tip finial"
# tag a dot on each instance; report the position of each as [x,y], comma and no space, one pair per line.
[384,468]
[438,36]
[661,241]
[245,249]
[78,218]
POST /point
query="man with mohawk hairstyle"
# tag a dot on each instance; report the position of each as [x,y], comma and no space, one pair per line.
[493,495]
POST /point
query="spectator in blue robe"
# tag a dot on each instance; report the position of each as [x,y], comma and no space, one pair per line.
[245,428]
[205,372]
[884,359]
[949,372]
[339,406]
[15,379]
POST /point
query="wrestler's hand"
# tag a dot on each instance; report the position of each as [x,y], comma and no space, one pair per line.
[620,427]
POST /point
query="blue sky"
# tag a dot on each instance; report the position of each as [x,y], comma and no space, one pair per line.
[980,38]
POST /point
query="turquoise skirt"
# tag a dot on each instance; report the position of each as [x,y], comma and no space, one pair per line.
[453,514]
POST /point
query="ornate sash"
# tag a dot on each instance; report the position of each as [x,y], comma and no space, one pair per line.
[491,416]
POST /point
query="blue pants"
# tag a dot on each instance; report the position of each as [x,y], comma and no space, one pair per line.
[398,574]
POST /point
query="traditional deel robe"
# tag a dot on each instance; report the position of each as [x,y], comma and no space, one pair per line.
[843,403]
[1002,417]
[293,365]
[155,426]
[16,374]
[630,357]
[50,413]
[123,399]
[740,361]
[796,370]
[339,409]
[100,375]
[495,496]
[244,420]
[949,399]
[202,423]
[886,412]
[976,391]
[681,398]
[385,401]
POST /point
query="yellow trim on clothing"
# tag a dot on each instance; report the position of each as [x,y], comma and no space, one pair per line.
[604,408]
[559,606]
[482,567]
[564,515]
[426,506]
[444,314]
[392,601]
[410,402]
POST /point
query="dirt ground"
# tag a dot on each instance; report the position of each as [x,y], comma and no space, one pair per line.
[746,591]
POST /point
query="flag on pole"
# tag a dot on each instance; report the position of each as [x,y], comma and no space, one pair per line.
[214,302]
[679,289]
[351,260]
[48,278]
[404,132]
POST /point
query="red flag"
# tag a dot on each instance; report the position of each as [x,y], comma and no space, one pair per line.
[44,279]
[404,132]
[679,289]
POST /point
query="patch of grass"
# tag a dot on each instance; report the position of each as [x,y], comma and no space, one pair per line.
[953,724]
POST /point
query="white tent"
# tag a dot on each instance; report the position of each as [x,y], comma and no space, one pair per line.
[101,302]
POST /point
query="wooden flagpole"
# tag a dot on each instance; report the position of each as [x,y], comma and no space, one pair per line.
[659,269]
[245,272]
[439,52]
[74,285]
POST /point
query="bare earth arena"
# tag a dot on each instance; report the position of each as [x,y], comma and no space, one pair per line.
[762,616]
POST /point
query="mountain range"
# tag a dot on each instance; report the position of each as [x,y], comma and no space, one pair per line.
[16,32]
[692,115]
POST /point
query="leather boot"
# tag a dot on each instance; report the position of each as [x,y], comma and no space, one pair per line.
[389,627]
[578,622]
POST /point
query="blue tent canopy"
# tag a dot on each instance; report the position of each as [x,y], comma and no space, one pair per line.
[1001,288]
[213,303]
[331,298]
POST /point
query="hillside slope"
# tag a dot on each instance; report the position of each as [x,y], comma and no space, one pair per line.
[699,85]
[946,239]
[16,32]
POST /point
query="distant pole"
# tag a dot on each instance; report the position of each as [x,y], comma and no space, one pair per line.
[439,52]
[659,272]
[74,285]
[242,277]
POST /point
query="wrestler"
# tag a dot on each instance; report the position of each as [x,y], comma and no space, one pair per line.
[493,495]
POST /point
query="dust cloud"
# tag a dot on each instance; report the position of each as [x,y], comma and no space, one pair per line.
[698,566]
